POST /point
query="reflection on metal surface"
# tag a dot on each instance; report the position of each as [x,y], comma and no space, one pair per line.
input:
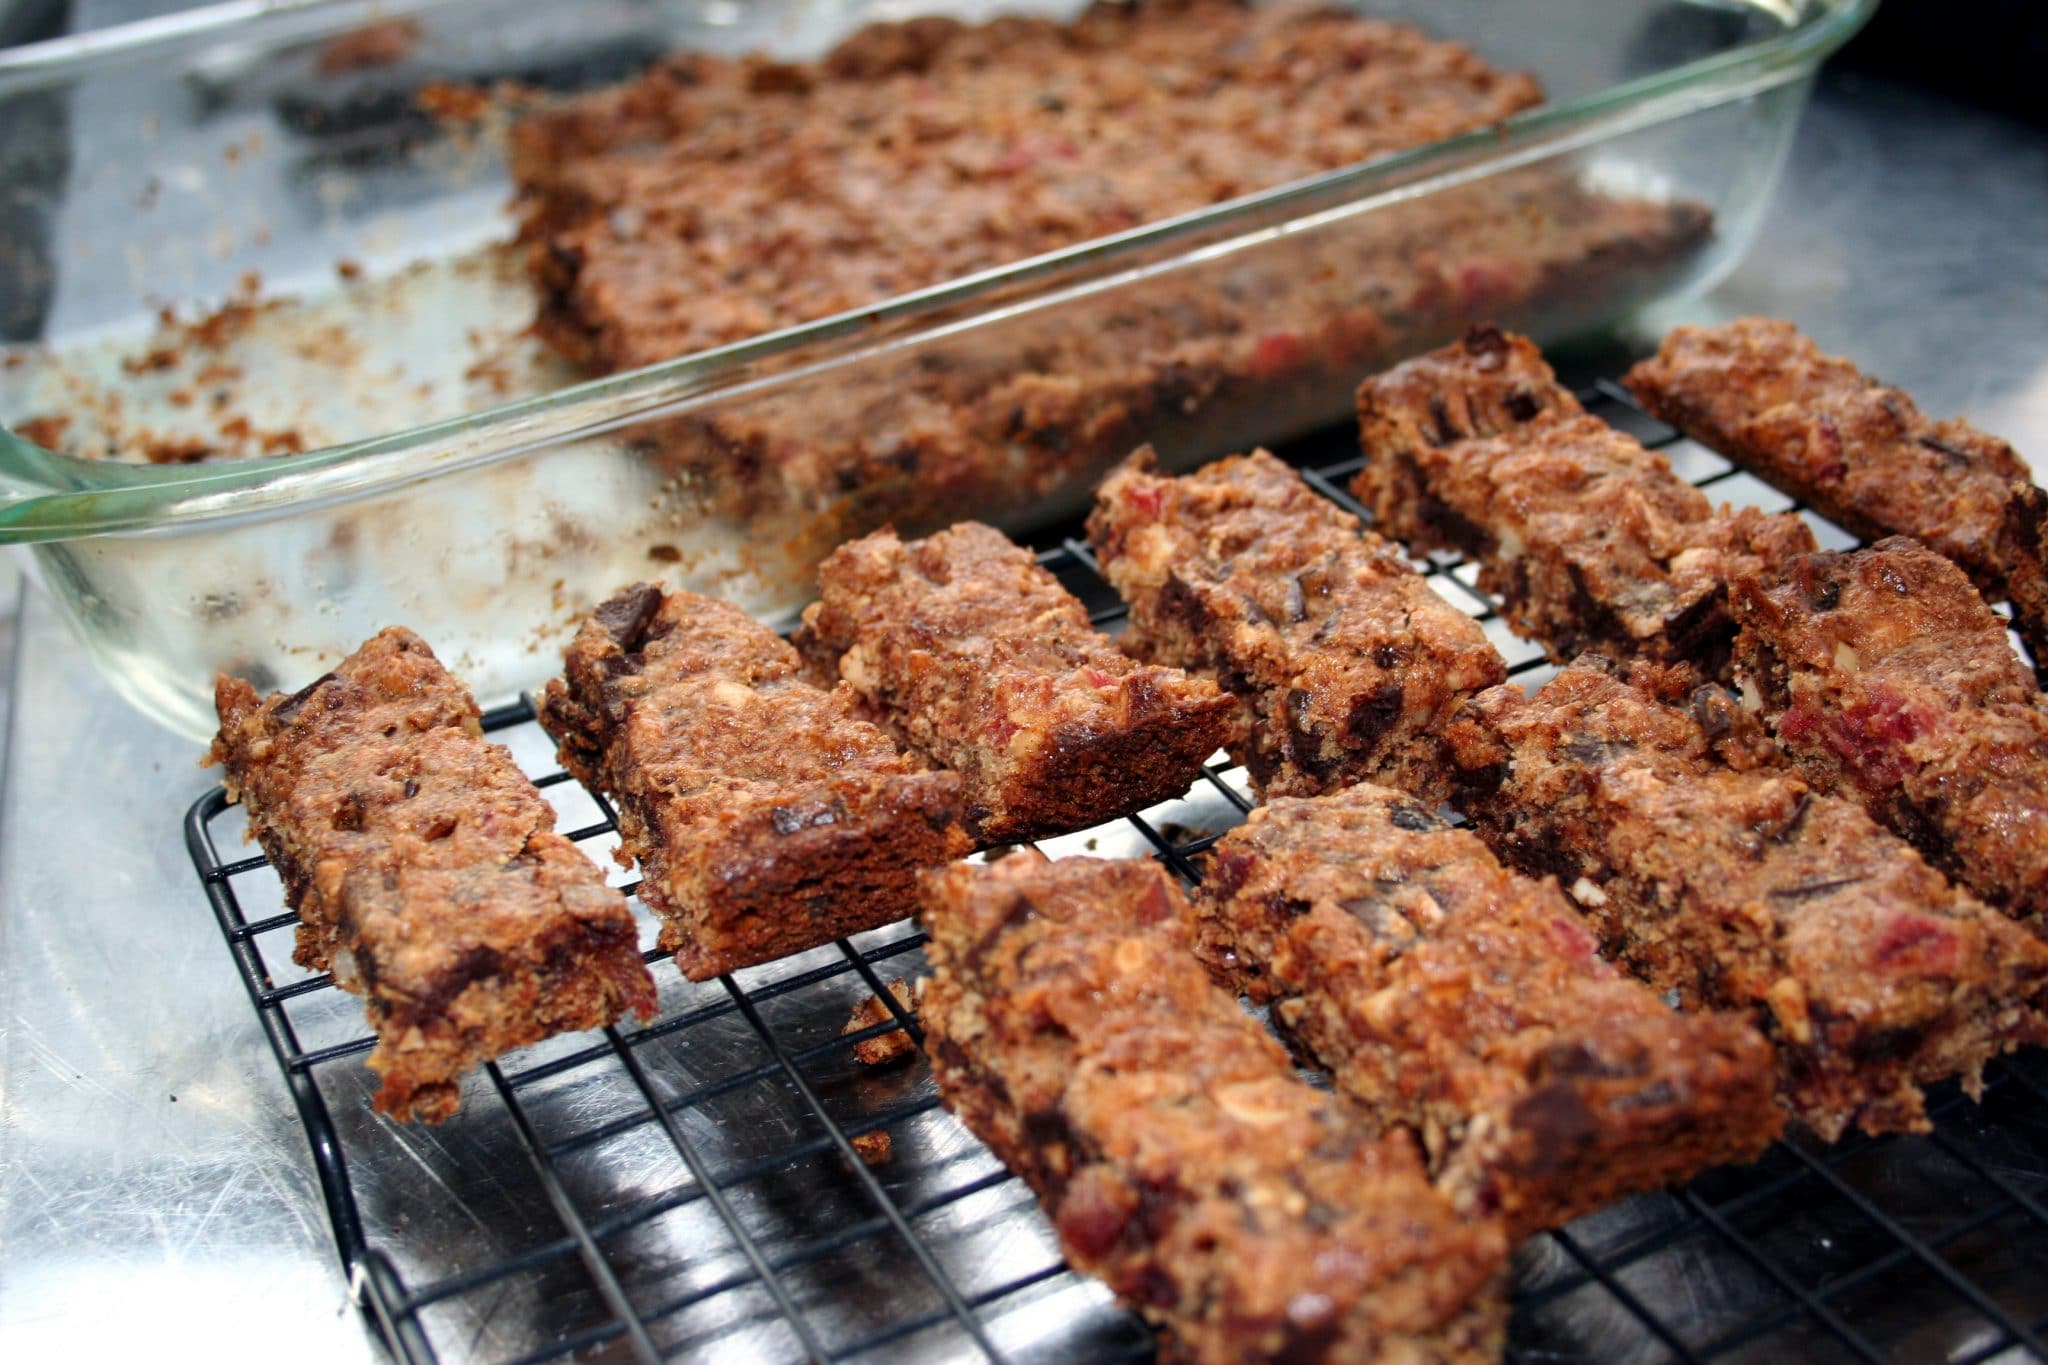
[697,1185]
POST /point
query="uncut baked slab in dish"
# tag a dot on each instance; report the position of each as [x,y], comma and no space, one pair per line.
[170,161]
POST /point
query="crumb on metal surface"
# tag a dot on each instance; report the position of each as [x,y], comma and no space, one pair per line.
[887,1048]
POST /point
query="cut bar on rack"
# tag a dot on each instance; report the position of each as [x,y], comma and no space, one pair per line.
[1487,384]
[1344,662]
[425,869]
[1182,1161]
[1886,677]
[1469,1004]
[766,815]
[1748,890]
[978,659]
[1590,541]
[1862,453]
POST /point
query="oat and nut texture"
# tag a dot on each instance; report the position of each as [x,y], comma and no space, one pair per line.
[1749,890]
[1590,541]
[1344,662]
[1859,451]
[980,660]
[716,199]
[1469,1005]
[766,815]
[1182,1161]
[1886,676]
[425,870]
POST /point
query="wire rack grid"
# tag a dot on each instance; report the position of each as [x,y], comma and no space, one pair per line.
[734,1180]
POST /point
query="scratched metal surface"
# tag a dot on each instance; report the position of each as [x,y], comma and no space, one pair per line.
[155,1192]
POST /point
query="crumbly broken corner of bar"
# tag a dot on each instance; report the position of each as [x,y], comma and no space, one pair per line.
[885,1048]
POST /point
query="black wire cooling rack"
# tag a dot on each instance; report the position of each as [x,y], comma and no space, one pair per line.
[703,1185]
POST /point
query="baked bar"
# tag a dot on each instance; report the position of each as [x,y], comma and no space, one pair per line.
[1589,541]
[1453,997]
[1343,661]
[1862,453]
[1884,674]
[1488,383]
[425,869]
[766,816]
[982,662]
[1751,891]
[1249,1215]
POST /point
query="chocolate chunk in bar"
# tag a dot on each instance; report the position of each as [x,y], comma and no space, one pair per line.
[1884,674]
[1752,891]
[1590,541]
[767,817]
[1861,452]
[1343,660]
[425,869]
[979,659]
[1468,1004]
[1182,1161]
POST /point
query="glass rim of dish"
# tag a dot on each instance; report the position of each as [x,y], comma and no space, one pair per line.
[46,496]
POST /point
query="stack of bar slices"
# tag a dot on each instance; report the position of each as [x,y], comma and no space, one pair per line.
[1767,850]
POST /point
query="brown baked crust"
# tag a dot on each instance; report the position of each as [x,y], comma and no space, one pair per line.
[425,869]
[1487,383]
[766,816]
[715,199]
[978,659]
[1343,660]
[1249,1215]
[1589,541]
[1457,999]
[1860,452]
[1884,674]
[1866,969]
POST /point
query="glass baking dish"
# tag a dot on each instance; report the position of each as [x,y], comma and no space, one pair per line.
[162,163]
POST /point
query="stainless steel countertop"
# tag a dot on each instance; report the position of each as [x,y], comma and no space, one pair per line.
[155,1191]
